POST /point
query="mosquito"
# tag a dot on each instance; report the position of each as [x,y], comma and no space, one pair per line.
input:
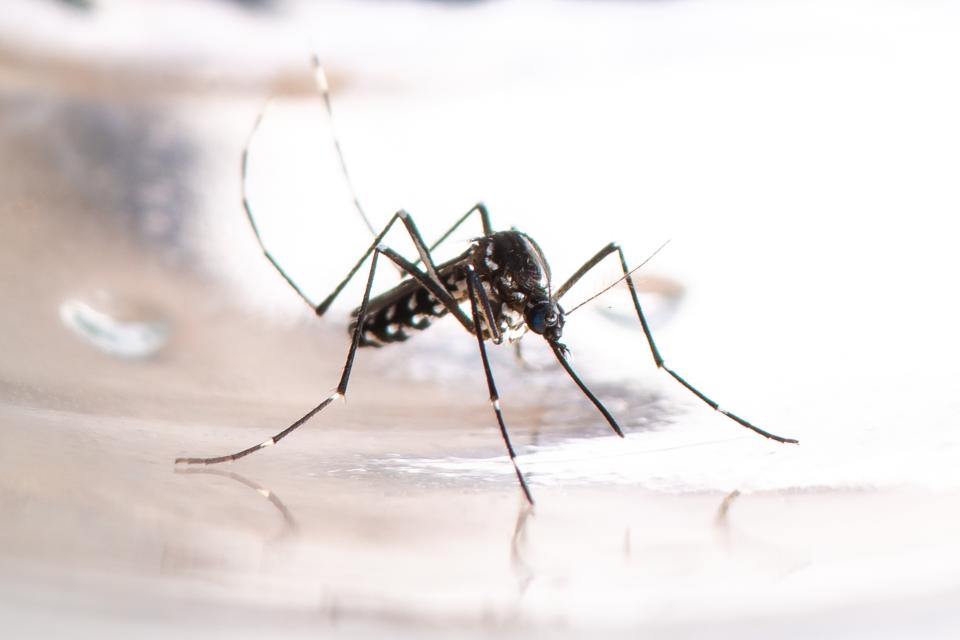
[499,289]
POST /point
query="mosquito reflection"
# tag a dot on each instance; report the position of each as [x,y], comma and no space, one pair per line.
[290,526]
[518,546]
[783,560]
[721,520]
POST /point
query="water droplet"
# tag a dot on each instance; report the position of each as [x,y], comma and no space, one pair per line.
[120,329]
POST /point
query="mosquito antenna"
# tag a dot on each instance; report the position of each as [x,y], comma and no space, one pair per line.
[618,280]
[324,88]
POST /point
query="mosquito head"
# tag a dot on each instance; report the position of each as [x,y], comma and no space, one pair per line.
[545,318]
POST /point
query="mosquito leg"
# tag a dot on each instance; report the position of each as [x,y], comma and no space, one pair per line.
[339,393]
[418,242]
[518,356]
[424,253]
[559,351]
[441,294]
[320,309]
[249,211]
[487,310]
[476,291]
[438,291]
[408,222]
[478,208]
[587,266]
[323,87]
[657,358]
[429,280]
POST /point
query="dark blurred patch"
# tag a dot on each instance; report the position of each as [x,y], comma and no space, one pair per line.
[126,163]
[253,4]
[77,4]
[87,5]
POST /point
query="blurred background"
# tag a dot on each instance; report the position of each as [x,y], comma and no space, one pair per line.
[800,157]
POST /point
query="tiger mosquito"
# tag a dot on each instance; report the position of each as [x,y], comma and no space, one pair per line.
[502,279]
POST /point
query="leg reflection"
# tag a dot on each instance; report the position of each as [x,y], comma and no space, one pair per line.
[518,543]
[721,519]
[289,523]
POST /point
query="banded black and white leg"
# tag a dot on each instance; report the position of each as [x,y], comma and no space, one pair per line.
[438,291]
[478,299]
[657,358]
[409,224]
[424,256]
[323,87]
[424,253]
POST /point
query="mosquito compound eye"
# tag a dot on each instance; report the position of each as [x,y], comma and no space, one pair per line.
[540,317]
[537,319]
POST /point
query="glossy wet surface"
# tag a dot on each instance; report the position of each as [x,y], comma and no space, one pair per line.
[140,324]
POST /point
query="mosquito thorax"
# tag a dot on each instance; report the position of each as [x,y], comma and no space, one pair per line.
[514,264]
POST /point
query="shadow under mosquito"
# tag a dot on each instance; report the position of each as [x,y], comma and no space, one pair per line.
[638,410]
[565,431]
